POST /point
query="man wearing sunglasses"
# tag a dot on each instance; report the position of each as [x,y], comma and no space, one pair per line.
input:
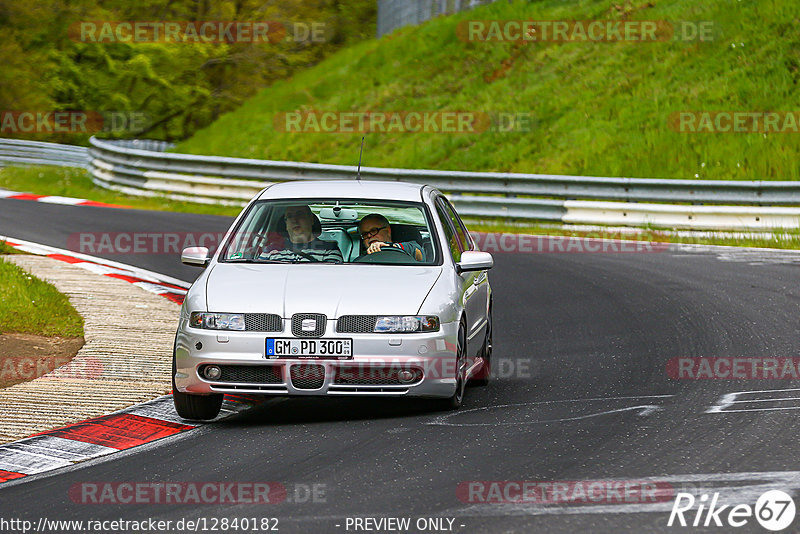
[376,233]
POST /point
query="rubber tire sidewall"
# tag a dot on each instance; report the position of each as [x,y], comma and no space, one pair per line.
[455,402]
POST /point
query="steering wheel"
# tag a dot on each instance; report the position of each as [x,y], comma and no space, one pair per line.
[371,258]
[306,256]
[258,245]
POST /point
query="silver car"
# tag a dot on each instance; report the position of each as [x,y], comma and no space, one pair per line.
[335,288]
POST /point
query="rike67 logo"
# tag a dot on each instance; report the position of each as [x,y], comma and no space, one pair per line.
[774,510]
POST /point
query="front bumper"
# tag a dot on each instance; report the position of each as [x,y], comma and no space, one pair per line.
[431,357]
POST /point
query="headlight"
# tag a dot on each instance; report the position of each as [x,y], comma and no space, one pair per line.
[406,323]
[217,321]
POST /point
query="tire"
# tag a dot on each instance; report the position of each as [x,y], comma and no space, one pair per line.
[484,376]
[455,402]
[196,407]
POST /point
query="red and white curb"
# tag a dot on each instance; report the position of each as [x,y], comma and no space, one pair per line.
[120,430]
[52,199]
[101,436]
[166,286]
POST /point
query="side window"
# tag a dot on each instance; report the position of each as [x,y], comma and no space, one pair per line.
[461,228]
[449,233]
[464,239]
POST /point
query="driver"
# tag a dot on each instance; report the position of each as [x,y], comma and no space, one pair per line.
[302,229]
[376,233]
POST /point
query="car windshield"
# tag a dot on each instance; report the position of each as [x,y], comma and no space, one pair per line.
[333,231]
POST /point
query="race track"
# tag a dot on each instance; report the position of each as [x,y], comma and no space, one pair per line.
[582,341]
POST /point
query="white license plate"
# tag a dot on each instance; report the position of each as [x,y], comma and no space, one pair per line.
[335,349]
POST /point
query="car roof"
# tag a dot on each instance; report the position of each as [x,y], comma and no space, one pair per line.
[388,190]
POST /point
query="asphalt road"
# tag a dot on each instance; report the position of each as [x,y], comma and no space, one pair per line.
[582,341]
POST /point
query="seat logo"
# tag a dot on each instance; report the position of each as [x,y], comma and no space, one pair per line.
[309,325]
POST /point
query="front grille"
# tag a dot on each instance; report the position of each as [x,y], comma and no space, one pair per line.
[356,324]
[263,322]
[307,376]
[297,324]
[368,376]
[248,374]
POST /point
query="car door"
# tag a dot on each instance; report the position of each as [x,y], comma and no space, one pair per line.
[481,279]
[472,283]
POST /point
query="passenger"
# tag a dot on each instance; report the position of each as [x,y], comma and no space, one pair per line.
[376,233]
[301,230]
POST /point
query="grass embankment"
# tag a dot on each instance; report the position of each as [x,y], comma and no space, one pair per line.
[39,329]
[8,249]
[30,306]
[599,109]
[76,183]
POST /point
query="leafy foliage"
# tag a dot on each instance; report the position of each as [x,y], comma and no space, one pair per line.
[171,88]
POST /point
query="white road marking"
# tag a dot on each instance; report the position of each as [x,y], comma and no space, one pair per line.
[29,463]
[733,488]
[61,200]
[159,289]
[644,410]
[729,399]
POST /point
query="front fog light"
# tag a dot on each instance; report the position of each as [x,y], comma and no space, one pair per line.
[212,372]
[405,376]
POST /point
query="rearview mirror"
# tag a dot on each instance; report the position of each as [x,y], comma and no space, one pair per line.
[472,260]
[338,214]
[197,256]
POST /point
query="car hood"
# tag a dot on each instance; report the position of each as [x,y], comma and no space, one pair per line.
[334,290]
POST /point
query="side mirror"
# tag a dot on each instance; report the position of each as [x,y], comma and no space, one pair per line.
[197,256]
[472,260]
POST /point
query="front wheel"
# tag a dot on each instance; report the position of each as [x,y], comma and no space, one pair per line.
[196,407]
[484,376]
[454,402]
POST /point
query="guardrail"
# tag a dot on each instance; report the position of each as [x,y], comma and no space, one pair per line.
[21,152]
[135,169]
[142,167]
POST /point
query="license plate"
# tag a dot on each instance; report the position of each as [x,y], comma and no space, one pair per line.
[332,349]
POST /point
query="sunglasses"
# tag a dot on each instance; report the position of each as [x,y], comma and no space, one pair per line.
[373,232]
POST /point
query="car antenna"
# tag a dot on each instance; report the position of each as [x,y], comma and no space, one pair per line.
[358,174]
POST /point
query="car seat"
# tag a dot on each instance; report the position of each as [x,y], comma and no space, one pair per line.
[407,232]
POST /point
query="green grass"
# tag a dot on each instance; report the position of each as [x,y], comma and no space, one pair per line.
[8,249]
[76,183]
[31,306]
[599,109]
